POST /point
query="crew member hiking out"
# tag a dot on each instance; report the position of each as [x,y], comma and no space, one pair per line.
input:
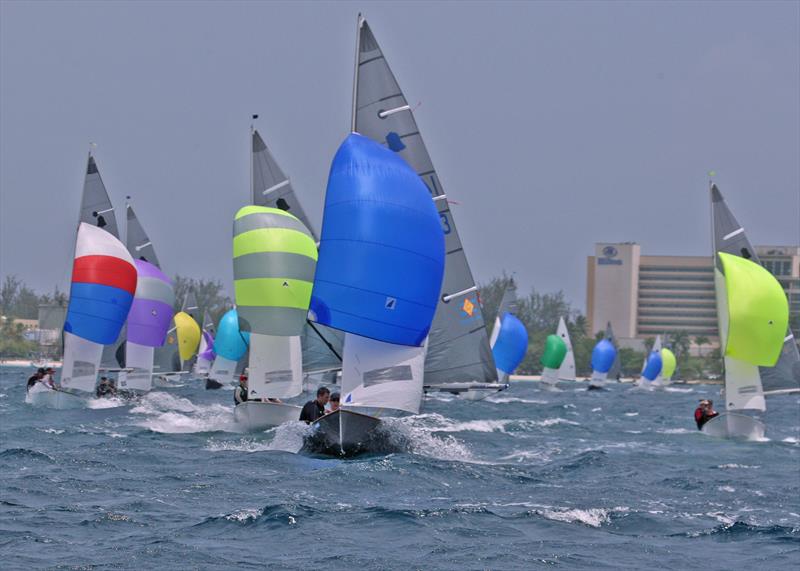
[240,394]
[35,378]
[704,412]
[314,409]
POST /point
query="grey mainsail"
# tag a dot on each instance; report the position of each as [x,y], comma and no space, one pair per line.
[190,306]
[166,358]
[271,187]
[137,241]
[96,208]
[729,237]
[458,344]
[616,368]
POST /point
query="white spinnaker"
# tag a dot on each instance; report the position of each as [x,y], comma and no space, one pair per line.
[81,363]
[223,369]
[742,380]
[140,359]
[566,372]
[276,366]
[378,375]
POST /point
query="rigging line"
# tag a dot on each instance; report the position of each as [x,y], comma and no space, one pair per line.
[322,337]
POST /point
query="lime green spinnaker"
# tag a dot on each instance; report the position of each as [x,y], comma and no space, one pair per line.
[554,352]
[667,363]
[758,312]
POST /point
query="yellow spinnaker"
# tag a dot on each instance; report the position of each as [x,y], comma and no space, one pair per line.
[758,312]
[188,335]
[667,363]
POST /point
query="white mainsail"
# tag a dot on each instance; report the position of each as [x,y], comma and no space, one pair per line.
[567,370]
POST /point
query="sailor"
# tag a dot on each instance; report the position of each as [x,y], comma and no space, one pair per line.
[48,377]
[240,394]
[314,409]
[704,412]
[105,388]
[35,378]
[334,402]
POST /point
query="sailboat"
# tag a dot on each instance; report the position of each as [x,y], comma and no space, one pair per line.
[103,283]
[274,258]
[459,354]
[509,341]
[150,314]
[378,279]
[668,364]
[604,355]
[230,345]
[205,353]
[649,378]
[555,351]
[753,316]
[566,372]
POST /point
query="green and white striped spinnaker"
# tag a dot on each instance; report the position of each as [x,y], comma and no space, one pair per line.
[274,260]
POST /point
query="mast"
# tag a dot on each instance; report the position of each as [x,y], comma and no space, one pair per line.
[359,22]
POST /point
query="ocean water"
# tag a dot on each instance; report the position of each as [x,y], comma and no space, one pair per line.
[527,478]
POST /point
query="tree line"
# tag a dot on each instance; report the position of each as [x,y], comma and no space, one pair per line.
[538,311]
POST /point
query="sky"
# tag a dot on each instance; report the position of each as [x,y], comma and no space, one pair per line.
[553,125]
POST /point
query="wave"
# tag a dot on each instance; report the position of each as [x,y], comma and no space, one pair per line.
[287,437]
[103,403]
[735,529]
[168,414]
[737,466]
[677,390]
[25,453]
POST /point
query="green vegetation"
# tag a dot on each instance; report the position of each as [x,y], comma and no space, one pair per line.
[12,341]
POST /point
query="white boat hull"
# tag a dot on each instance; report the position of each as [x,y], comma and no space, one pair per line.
[736,426]
[255,416]
[42,396]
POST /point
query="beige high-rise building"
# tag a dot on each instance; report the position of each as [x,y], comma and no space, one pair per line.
[643,296]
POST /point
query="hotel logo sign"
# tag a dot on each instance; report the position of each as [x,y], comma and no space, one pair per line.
[609,257]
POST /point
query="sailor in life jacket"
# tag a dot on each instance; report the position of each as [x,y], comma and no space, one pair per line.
[240,394]
[704,412]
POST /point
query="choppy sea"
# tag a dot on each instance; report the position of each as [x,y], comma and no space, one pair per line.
[527,478]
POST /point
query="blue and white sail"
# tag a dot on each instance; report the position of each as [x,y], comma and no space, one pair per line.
[379,274]
[230,345]
[603,356]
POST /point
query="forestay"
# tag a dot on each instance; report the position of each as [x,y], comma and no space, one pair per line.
[458,346]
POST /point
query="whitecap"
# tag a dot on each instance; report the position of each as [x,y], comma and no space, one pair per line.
[729,489]
[504,400]
[735,466]
[631,414]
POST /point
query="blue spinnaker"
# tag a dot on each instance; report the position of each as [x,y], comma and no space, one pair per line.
[381,253]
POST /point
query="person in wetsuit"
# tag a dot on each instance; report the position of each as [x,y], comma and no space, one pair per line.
[35,378]
[314,409]
[704,412]
[240,394]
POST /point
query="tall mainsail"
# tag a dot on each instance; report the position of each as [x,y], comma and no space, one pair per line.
[205,353]
[458,346]
[566,371]
[730,238]
[96,208]
[379,273]
[271,187]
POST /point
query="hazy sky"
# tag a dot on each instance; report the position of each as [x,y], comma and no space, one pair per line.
[554,125]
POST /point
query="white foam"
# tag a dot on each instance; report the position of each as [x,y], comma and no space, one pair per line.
[50,430]
[504,400]
[631,414]
[677,390]
[168,414]
[736,466]
[597,409]
[104,403]
[729,489]
[416,433]
[287,437]
[791,440]
[593,517]
[243,516]
[675,431]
